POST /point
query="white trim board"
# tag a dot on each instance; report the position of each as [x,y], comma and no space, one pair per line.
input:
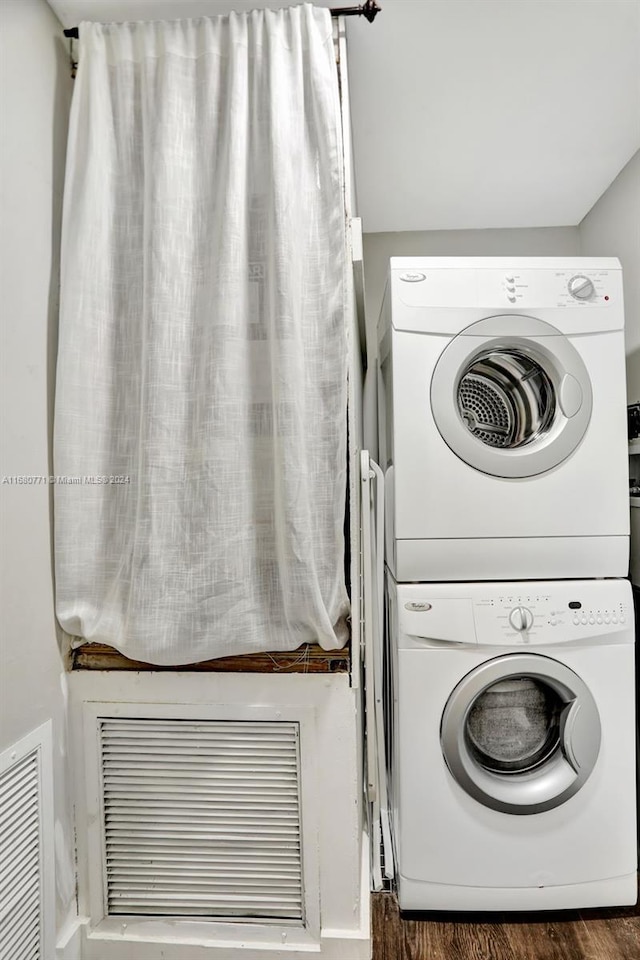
[336,877]
[39,744]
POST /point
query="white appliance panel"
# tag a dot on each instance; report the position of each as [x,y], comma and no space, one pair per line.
[448,519]
[456,853]
[586,495]
[476,846]
[431,299]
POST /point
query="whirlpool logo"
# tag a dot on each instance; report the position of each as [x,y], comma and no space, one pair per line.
[413,277]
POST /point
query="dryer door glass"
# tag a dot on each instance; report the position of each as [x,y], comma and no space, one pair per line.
[511,396]
[506,399]
[514,725]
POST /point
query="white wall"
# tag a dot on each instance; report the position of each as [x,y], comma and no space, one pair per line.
[533,242]
[612,229]
[35,91]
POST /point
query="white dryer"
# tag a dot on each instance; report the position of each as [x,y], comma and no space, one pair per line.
[502,415]
[513,745]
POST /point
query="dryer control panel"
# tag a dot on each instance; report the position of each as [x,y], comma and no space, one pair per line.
[548,288]
[578,287]
[580,295]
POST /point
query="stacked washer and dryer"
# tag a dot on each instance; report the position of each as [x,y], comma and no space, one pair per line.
[510,643]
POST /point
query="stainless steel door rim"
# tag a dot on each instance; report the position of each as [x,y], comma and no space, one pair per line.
[511,396]
[557,767]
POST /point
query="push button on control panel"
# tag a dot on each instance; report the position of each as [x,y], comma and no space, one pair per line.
[599,617]
[510,287]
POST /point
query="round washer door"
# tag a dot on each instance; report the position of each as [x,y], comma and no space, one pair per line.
[511,396]
[521,733]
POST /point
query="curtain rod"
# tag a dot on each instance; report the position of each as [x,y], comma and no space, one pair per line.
[369,10]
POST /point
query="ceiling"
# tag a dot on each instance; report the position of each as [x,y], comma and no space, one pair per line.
[470,114]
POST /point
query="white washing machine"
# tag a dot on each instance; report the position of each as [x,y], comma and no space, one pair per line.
[502,416]
[513,745]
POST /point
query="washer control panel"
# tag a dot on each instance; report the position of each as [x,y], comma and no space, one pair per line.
[516,614]
[534,617]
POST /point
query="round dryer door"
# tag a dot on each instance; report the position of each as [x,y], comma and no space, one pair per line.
[511,396]
[521,733]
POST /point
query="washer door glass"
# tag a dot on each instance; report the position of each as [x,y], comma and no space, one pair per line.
[514,725]
[511,396]
[521,733]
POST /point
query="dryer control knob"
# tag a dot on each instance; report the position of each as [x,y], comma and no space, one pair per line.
[581,288]
[521,618]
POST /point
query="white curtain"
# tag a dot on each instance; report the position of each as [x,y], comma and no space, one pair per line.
[200,426]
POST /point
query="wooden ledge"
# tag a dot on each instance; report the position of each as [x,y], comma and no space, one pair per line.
[309,658]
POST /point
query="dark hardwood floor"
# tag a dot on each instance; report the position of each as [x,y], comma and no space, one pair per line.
[577,935]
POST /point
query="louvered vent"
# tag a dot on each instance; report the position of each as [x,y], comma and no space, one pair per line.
[20,861]
[202,818]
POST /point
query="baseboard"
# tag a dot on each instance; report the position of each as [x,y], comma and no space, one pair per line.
[336,945]
[78,942]
[70,940]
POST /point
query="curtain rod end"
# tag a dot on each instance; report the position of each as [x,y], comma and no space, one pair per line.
[370,10]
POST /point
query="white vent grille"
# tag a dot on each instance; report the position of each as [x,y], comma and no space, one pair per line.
[202,818]
[21,929]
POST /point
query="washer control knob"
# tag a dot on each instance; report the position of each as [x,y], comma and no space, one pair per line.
[581,288]
[521,618]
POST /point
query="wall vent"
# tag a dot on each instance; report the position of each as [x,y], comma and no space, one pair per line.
[25,891]
[201,818]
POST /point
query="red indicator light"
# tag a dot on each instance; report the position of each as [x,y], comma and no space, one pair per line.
[606,298]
